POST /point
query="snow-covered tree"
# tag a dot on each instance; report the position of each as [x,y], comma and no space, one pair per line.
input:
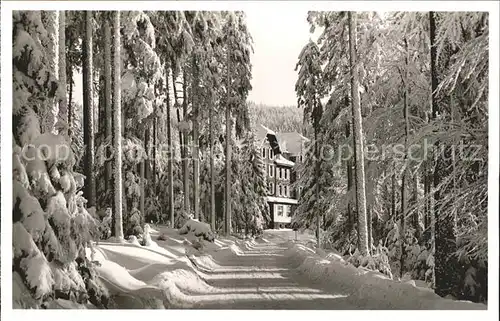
[51,225]
[308,91]
[410,194]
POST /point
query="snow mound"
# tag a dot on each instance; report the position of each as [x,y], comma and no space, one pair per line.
[133,240]
[141,277]
[199,229]
[370,289]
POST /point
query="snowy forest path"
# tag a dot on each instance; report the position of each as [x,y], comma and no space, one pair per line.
[262,277]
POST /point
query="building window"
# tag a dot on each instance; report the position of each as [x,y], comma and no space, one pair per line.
[279,190]
[271,171]
[280,210]
[286,210]
[264,152]
[270,153]
[286,191]
[271,188]
[280,171]
[286,173]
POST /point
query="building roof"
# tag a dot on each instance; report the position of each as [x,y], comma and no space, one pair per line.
[292,143]
[280,160]
[262,132]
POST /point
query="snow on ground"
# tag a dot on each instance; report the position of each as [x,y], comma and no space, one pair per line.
[272,272]
[168,268]
[368,289]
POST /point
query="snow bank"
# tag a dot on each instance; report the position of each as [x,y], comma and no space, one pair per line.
[154,276]
[368,289]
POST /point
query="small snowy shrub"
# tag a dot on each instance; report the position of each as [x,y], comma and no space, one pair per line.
[181,217]
[376,262]
[153,210]
[105,225]
[198,229]
[133,240]
[146,236]
[134,223]
[162,237]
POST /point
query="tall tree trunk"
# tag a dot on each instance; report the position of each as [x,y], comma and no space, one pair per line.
[317,174]
[108,119]
[416,215]
[63,99]
[393,196]
[142,173]
[445,240]
[181,138]
[370,229]
[212,167]
[69,67]
[185,162]
[101,111]
[155,149]
[147,147]
[404,195]
[196,156]
[427,196]
[70,105]
[88,113]
[170,165]
[349,181]
[117,135]
[50,113]
[358,137]
[228,149]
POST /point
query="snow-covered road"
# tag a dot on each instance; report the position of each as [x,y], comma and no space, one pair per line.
[263,278]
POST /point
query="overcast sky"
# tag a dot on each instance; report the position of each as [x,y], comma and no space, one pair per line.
[278,38]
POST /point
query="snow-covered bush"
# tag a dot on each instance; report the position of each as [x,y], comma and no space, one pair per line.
[106,224]
[133,240]
[162,237]
[152,210]
[51,232]
[181,217]
[198,229]
[375,262]
[133,226]
[146,236]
